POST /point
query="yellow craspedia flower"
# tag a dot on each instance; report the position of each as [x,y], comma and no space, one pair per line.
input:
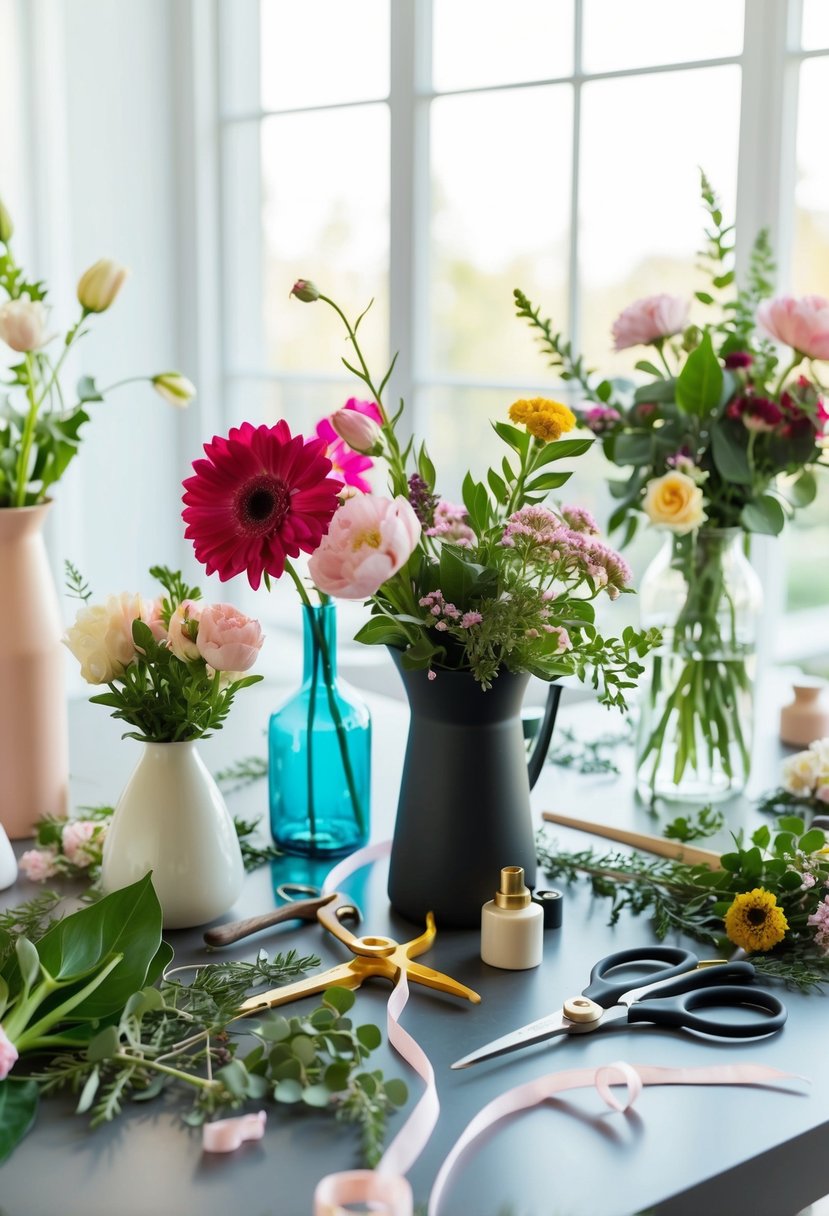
[754,921]
[543,418]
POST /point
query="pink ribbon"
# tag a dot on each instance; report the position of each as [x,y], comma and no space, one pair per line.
[388,1190]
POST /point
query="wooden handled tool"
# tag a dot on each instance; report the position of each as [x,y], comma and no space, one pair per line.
[298,909]
[674,849]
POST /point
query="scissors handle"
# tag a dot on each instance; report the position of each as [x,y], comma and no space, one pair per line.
[705,977]
[680,1011]
[670,960]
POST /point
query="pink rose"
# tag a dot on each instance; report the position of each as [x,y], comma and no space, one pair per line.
[368,541]
[76,836]
[23,324]
[802,324]
[650,319]
[357,430]
[8,1054]
[183,628]
[38,864]
[227,639]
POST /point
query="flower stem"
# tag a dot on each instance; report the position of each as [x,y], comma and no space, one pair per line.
[27,437]
[798,358]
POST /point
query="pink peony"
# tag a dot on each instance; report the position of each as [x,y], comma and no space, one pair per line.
[75,837]
[183,628]
[801,323]
[8,1054]
[38,864]
[649,320]
[370,538]
[227,639]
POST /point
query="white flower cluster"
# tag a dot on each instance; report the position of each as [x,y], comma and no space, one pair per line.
[807,773]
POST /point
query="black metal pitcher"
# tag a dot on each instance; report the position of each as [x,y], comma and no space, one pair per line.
[464,808]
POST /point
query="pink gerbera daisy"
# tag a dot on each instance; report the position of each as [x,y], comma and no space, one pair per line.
[260,497]
[349,465]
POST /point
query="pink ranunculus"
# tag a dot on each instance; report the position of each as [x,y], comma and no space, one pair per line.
[368,541]
[802,324]
[183,626]
[227,639]
[75,837]
[650,319]
[8,1054]
[357,430]
[38,864]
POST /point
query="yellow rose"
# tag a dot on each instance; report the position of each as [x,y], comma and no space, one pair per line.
[674,501]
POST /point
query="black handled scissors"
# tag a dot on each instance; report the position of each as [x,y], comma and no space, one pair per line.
[676,987]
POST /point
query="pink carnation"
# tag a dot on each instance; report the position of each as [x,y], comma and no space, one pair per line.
[368,541]
[75,837]
[8,1054]
[469,619]
[227,639]
[649,320]
[819,920]
[801,323]
[38,864]
[601,418]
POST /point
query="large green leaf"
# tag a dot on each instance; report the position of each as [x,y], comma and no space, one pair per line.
[381,631]
[763,515]
[126,922]
[18,1109]
[562,449]
[633,447]
[730,457]
[700,382]
[457,576]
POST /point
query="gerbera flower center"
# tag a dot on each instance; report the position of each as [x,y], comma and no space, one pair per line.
[262,504]
[756,916]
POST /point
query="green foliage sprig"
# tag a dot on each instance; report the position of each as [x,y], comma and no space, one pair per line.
[790,864]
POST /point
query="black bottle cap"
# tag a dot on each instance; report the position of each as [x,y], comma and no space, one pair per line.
[551,903]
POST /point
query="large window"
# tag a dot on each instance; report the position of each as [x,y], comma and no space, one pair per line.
[435,154]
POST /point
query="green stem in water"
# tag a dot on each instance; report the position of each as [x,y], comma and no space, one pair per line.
[328,678]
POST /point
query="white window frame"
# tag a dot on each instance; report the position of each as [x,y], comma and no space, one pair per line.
[770,63]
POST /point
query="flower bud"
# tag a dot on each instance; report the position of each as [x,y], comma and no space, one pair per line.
[361,433]
[175,388]
[305,290]
[6,225]
[691,338]
[23,324]
[99,285]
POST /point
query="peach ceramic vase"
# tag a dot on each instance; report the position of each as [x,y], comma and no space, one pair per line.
[34,745]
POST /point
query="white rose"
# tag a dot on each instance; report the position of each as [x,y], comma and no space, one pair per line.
[800,773]
[101,638]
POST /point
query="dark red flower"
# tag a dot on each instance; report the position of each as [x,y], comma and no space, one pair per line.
[738,359]
[260,497]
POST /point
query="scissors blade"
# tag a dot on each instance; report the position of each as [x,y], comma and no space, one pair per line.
[534,1032]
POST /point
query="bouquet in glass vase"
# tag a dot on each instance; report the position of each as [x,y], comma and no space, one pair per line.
[722,441]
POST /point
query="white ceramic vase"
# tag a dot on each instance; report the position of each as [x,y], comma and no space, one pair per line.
[8,861]
[172,819]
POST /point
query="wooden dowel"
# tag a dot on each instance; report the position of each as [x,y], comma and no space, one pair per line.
[676,850]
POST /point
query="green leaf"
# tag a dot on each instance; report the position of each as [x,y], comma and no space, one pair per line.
[340,999]
[497,485]
[790,880]
[791,823]
[661,391]
[304,1049]
[381,631]
[88,390]
[369,1036]
[764,515]
[275,1029]
[650,368]
[548,481]
[761,837]
[519,441]
[633,447]
[127,921]
[562,449]
[812,841]
[89,1091]
[396,1092]
[730,862]
[699,384]
[730,456]
[105,1045]
[803,491]
[316,1095]
[457,576]
[234,1077]
[18,1109]
[28,961]
[288,1091]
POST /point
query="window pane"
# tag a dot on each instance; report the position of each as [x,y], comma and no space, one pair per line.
[500,220]
[301,403]
[806,548]
[319,220]
[485,42]
[321,51]
[640,33]
[815,25]
[810,255]
[641,221]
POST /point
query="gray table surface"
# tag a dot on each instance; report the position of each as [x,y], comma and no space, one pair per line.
[683,1151]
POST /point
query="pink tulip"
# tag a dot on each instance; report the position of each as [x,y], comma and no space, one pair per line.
[358,430]
[650,319]
[23,324]
[368,541]
[8,1054]
[227,639]
[801,324]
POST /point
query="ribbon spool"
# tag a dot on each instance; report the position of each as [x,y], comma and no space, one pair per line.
[552,905]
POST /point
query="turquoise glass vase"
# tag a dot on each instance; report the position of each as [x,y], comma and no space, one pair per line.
[319,753]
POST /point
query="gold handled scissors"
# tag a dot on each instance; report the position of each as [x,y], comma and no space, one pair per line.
[374,956]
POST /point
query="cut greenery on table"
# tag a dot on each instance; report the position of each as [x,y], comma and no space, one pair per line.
[86,1005]
[769,896]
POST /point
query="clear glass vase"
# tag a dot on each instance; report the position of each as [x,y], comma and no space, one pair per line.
[695,728]
[319,753]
